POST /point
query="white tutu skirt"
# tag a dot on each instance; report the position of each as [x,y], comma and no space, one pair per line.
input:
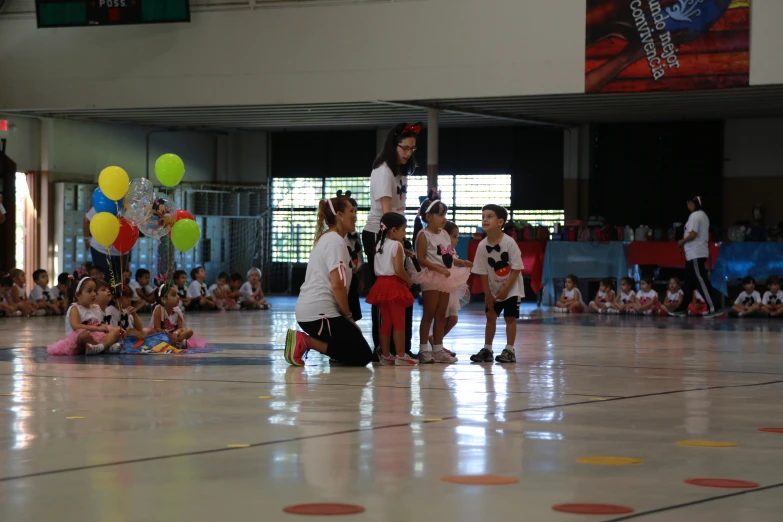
[431,280]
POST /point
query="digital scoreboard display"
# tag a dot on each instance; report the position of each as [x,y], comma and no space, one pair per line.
[80,13]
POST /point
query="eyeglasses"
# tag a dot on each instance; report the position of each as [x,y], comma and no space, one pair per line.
[407,149]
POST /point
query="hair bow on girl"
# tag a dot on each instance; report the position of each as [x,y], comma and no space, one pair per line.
[382,228]
[347,194]
[411,129]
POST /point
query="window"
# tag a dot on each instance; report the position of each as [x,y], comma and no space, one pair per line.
[295,203]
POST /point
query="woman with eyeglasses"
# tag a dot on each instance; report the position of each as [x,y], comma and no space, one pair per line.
[388,193]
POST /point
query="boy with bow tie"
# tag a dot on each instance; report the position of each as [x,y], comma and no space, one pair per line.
[499,264]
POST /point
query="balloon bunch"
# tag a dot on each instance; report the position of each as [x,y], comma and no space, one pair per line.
[126,207]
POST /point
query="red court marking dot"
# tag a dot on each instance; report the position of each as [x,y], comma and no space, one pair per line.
[480,480]
[771,430]
[592,509]
[722,483]
[324,509]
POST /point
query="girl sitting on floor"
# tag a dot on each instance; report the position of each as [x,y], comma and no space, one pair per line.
[122,314]
[646,298]
[625,299]
[604,298]
[571,299]
[84,329]
[167,317]
[674,298]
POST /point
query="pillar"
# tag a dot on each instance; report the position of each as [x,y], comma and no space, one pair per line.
[576,172]
[433,115]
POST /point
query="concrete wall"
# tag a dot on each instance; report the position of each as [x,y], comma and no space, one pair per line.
[753,169]
[361,52]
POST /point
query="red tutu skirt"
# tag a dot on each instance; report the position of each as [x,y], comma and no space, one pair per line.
[390,289]
[432,280]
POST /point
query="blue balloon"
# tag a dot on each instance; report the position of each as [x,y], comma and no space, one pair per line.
[103,204]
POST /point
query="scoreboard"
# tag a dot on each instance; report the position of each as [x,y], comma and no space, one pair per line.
[80,13]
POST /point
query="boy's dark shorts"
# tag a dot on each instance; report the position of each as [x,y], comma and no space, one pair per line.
[509,307]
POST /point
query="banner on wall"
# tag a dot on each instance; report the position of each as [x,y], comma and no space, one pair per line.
[667,45]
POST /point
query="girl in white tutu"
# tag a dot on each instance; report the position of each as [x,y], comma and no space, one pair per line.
[85,332]
[439,277]
[459,297]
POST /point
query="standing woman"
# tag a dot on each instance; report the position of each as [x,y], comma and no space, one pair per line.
[322,309]
[695,243]
[388,193]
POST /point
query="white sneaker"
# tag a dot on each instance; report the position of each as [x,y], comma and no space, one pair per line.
[386,361]
[425,357]
[18,313]
[114,348]
[405,360]
[443,357]
[94,349]
[39,313]
[612,311]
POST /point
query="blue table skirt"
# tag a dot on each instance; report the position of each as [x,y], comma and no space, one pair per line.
[737,260]
[584,260]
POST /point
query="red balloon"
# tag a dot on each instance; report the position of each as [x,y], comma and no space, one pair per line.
[182,214]
[129,234]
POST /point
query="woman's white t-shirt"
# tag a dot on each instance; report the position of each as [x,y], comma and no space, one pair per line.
[316,297]
[384,184]
[697,248]
[384,261]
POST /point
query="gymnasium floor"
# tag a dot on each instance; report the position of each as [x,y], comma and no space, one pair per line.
[146,438]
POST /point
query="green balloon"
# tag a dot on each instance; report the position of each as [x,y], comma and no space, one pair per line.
[169,169]
[185,234]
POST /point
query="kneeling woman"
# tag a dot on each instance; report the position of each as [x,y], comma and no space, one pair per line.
[322,309]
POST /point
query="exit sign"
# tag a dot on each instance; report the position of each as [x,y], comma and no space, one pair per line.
[79,13]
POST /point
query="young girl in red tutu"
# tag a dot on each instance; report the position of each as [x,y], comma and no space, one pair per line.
[167,317]
[85,332]
[391,291]
[438,278]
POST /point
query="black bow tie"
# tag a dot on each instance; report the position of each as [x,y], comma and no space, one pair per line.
[353,236]
[402,189]
[496,248]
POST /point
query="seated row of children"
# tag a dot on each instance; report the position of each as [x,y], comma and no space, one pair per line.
[227,293]
[646,301]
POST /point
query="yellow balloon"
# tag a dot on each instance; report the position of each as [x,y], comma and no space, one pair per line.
[105,227]
[114,183]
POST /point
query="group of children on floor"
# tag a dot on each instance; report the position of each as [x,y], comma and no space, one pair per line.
[227,293]
[646,301]
[442,276]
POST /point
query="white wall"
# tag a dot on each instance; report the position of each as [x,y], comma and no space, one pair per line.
[766,41]
[752,148]
[23,142]
[395,51]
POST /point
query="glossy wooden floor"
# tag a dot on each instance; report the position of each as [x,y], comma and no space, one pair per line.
[145,438]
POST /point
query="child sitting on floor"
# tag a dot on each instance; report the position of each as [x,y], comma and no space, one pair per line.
[180,280]
[571,299]
[221,291]
[698,305]
[43,295]
[144,292]
[748,303]
[626,297]
[7,308]
[604,298]
[674,298]
[84,329]
[252,296]
[646,298]
[167,317]
[122,314]
[772,302]
[198,291]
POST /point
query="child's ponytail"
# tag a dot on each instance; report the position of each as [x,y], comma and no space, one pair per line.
[327,214]
[381,237]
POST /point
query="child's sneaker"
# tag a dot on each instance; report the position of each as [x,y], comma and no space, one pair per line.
[94,349]
[483,356]
[114,348]
[405,360]
[39,313]
[443,357]
[386,361]
[612,311]
[425,357]
[506,357]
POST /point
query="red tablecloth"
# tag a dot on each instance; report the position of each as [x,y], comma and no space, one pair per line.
[663,253]
[532,257]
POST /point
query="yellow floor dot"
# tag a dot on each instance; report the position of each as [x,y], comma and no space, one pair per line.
[72,418]
[609,461]
[598,399]
[6,394]
[238,446]
[157,380]
[265,397]
[707,443]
